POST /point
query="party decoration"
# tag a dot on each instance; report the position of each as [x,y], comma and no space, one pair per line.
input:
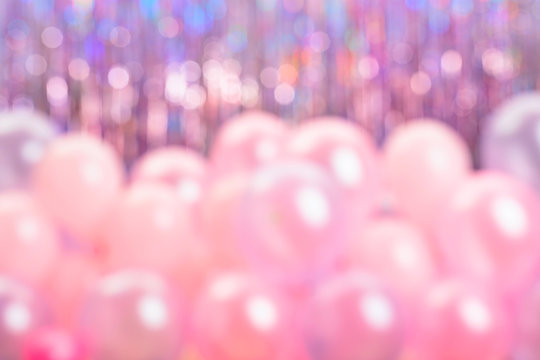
[247,142]
[132,315]
[353,317]
[24,136]
[53,344]
[29,244]
[462,322]
[424,161]
[239,317]
[76,182]
[347,153]
[511,140]
[399,252]
[21,315]
[489,231]
[293,222]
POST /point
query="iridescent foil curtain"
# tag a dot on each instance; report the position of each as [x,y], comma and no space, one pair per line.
[153,72]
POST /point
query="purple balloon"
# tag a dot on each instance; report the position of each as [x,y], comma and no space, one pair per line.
[24,135]
[20,315]
[511,139]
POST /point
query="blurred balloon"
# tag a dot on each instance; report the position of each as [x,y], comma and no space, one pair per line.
[352,316]
[53,344]
[20,315]
[77,181]
[182,169]
[148,227]
[511,139]
[398,252]
[489,231]
[347,153]
[24,136]
[293,222]
[132,315]
[528,326]
[423,162]
[29,245]
[238,317]
[461,322]
[246,142]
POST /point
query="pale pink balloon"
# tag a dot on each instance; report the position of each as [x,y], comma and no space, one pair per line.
[133,315]
[352,316]
[347,152]
[398,252]
[67,284]
[239,317]
[246,142]
[21,314]
[490,230]
[76,182]
[461,322]
[423,163]
[184,170]
[220,208]
[293,222]
[29,244]
[148,227]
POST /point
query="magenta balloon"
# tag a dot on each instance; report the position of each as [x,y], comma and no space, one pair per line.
[461,322]
[511,139]
[352,316]
[490,229]
[347,153]
[246,142]
[293,223]
[24,136]
[132,315]
[20,315]
[239,317]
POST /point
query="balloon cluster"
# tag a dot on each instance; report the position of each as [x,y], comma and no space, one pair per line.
[287,243]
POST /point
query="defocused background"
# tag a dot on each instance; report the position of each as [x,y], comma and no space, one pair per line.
[152,72]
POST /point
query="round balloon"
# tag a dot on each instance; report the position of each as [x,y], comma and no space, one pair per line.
[459,321]
[246,142]
[24,136]
[528,326]
[423,162]
[352,316]
[239,317]
[20,314]
[489,231]
[29,244]
[293,222]
[132,315]
[511,139]
[53,344]
[77,181]
[347,153]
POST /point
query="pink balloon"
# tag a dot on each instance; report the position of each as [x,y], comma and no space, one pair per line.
[77,180]
[398,252]
[293,222]
[461,322]
[67,284]
[132,315]
[423,163]
[148,227]
[182,169]
[29,245]
[490,231]
[21,315]
[246,142]
[347,152]
[353,317]
[528,326]
[53,344]
[220,209]
[238,317]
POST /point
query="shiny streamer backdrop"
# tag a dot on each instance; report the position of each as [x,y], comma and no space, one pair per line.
[152,72]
